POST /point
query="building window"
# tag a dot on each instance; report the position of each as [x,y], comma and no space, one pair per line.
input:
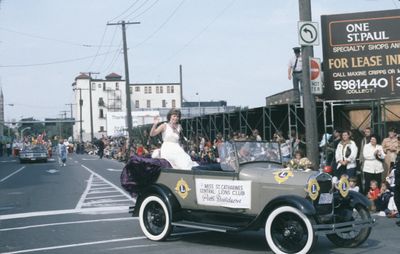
[172,89]
[101,128]
[137,104]
[148,104]
[93,86]
[173,103]
[149,89]
[157,89]
[101,113]
[104,86]
[99,84]
[161,89]
[168,89]
[164,103]
[130,90]
[145,89]
[101,102]
[116,86]
[137,88]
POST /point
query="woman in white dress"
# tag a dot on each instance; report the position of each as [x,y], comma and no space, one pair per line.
[171,149]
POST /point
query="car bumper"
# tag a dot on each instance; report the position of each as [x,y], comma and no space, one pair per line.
[324,229]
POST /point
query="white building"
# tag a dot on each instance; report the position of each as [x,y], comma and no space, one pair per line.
[108,95]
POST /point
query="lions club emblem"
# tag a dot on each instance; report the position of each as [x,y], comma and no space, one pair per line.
[282,176]
[313,189]
[182,188]
[343,186]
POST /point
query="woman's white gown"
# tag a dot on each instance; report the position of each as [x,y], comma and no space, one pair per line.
[173,152]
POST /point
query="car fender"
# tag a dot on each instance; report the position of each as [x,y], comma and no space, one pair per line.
[298,202]
[357,198]
[164,193]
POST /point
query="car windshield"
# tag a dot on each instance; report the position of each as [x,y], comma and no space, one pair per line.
[232,154]
[34,148]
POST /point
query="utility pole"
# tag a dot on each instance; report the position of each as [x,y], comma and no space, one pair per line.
[127,85]
[70,104]
[90,102]
[310,112]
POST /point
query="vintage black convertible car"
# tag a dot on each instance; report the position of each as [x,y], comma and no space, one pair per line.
[249,190]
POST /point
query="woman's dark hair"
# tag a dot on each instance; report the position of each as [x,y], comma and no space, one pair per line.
[173,111]
[374,136]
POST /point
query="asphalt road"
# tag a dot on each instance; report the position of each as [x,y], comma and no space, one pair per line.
[81,208]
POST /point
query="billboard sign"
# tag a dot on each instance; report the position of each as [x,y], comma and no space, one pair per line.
[116,121]
[361,55]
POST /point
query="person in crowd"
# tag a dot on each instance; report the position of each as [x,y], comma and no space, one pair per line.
[100,148]
[62,152]
[295,69]
[299,162]
[332,146]
[382,202]
[397,186]
[373,156]
[353,184]
[171,149]
[373,194]
[255,135]
[391,148]
[345,155]
[365,140]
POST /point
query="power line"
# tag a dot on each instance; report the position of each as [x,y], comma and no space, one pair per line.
[134,11]
[146,10]
[112,41]
[125,11]
[114,59]
[161,26]
[49,39]
[196,36]
[56,62]
[98,48]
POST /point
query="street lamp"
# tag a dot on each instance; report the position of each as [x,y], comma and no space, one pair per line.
[24,129]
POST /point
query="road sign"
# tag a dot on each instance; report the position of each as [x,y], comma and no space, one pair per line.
[315,76]
[308,33]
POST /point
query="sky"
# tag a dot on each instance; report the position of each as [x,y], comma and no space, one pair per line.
[232,50]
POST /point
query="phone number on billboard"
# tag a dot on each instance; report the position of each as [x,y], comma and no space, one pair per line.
[363,83]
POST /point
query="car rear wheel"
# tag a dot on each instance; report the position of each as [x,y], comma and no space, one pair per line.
[288,230]
[154,218]
[355,237]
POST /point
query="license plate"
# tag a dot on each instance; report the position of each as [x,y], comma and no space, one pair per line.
[325,198]
[33,159]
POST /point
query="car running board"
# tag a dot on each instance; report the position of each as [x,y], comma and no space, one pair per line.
[204,226]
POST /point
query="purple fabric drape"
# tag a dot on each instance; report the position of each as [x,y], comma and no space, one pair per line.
[140,172]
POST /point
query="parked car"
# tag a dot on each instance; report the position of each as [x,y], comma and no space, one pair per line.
[33,153]
[251,190]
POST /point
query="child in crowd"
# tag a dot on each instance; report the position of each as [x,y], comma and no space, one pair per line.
[353,184]
[373,193]
[382,201]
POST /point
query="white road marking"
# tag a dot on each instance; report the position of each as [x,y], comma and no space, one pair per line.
[84,194]
[101,188]
[100,201]
[10,175]
[133,246]
[105,180]
[76,245]
[100,191]
[67,223]
[94,243]
[67,211]
[114,170]
[85,159]
[100,197]
[8,161]
[52,171]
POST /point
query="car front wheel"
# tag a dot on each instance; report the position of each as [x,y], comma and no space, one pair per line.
[154,218]
[288,230]
[353,238]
